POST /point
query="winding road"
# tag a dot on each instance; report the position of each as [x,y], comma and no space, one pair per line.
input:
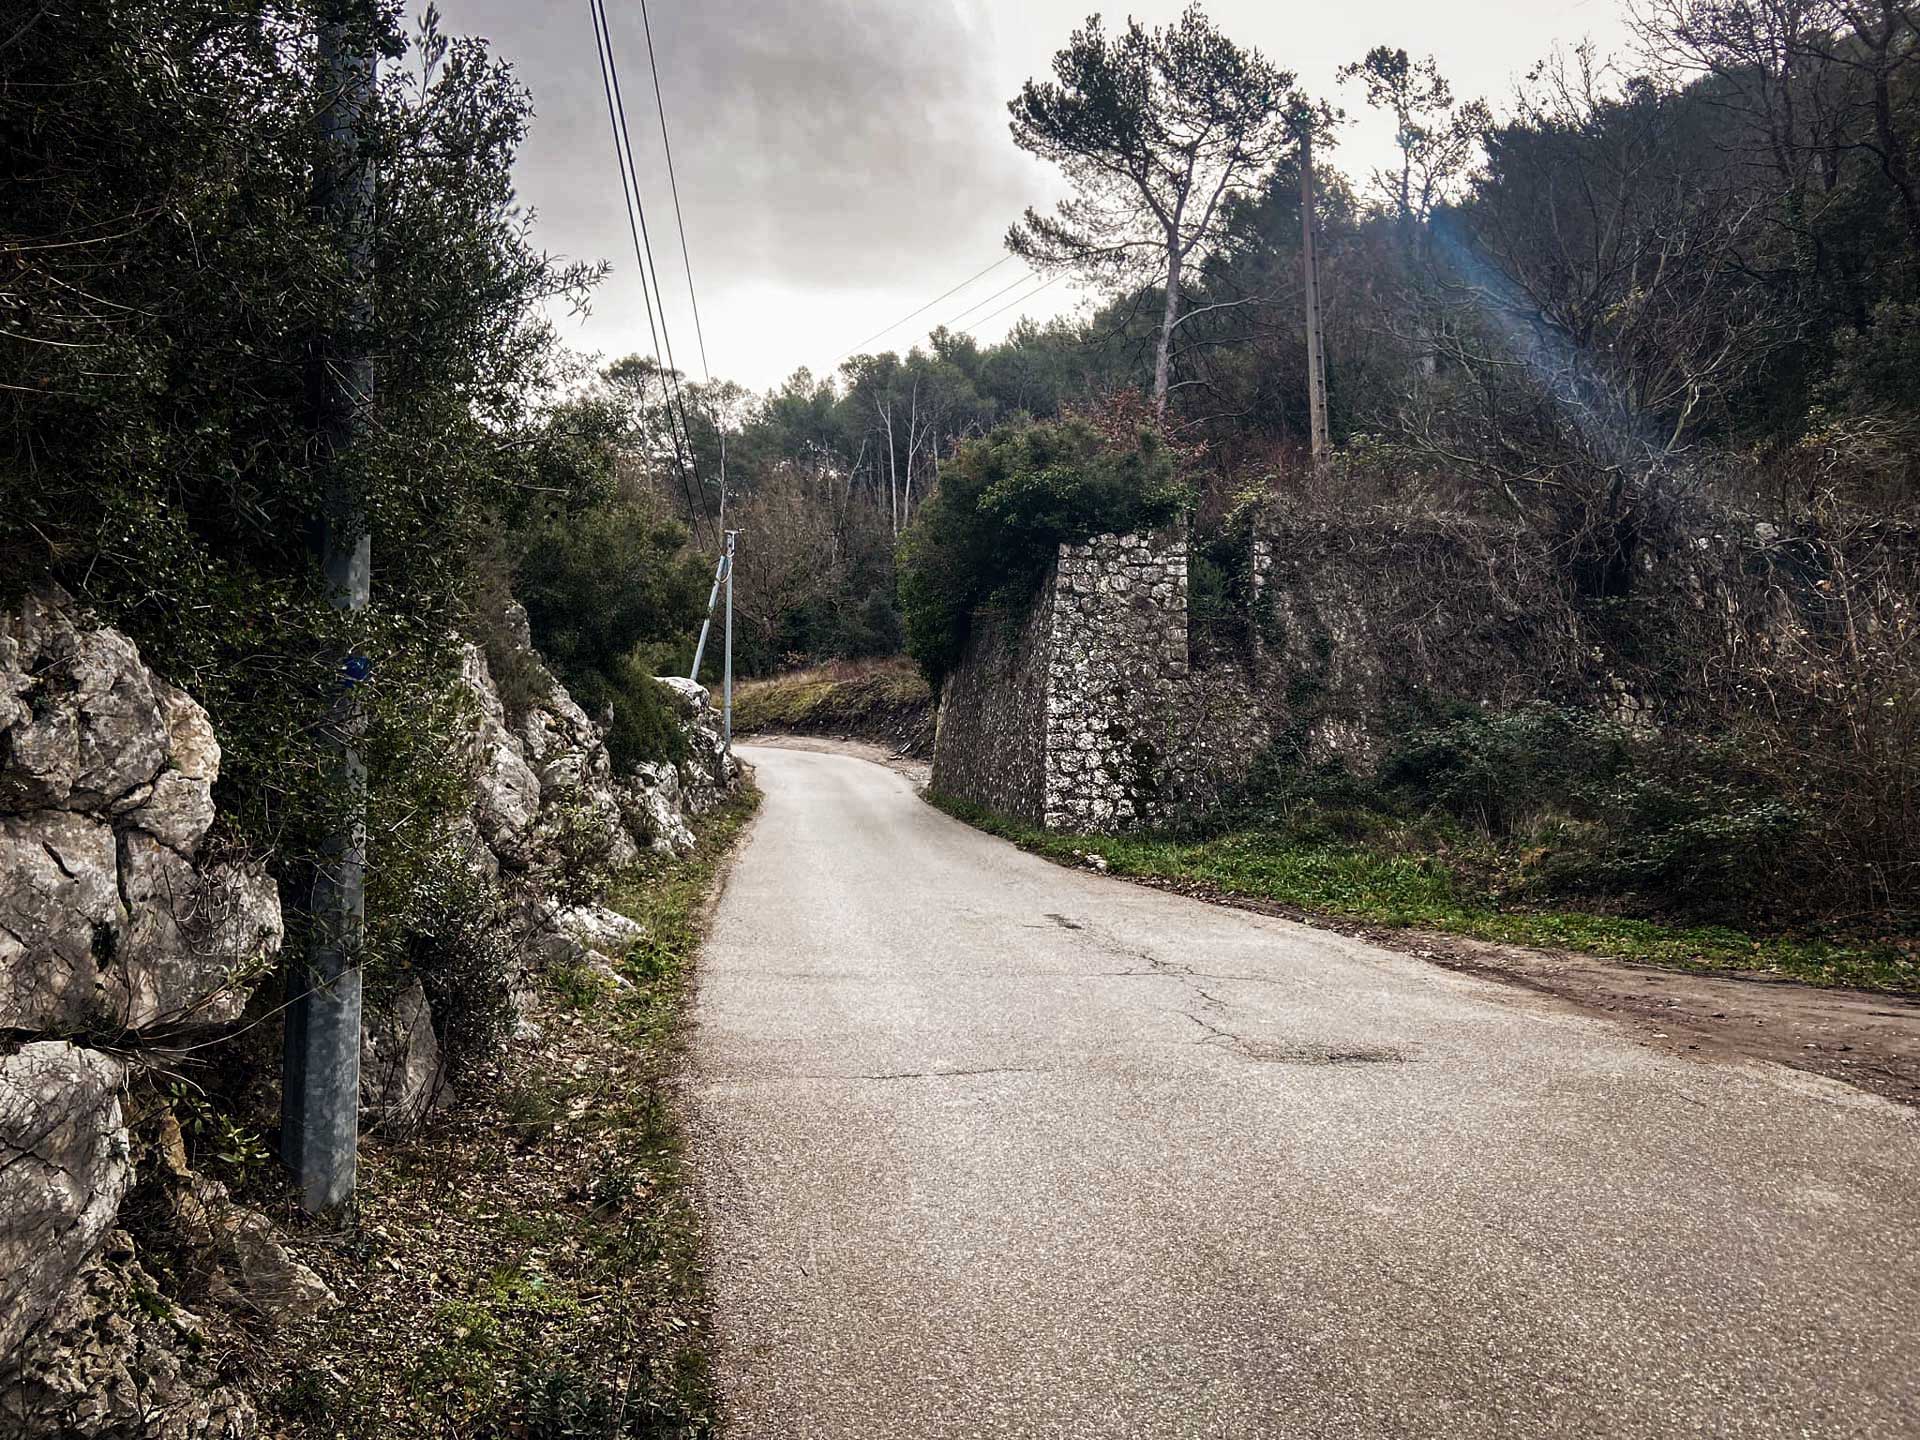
[988,1147]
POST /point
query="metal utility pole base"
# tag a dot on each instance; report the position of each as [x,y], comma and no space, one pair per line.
[320,1121]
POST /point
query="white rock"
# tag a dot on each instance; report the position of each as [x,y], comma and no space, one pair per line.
[402,1074]
[60,917]
[67,1169]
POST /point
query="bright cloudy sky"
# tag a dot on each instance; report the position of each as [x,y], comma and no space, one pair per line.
[842,162]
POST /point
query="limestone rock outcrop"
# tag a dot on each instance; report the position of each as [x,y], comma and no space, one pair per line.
[117,923]
[109,918]
[402,1072]
[544,789]
[121,923]
[65,1164]
[116,1361]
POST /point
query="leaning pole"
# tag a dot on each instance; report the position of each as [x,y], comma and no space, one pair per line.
[320,1099]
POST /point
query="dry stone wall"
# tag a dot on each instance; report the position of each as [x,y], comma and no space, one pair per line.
[1087,717]
[1095,716]
[1116,667]
[991,736]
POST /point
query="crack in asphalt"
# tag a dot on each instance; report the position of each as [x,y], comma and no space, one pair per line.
[928,1074]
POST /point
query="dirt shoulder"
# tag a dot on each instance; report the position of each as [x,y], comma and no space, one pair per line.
[529,1263]
[1868,1040]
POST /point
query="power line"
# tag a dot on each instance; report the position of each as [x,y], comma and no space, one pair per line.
[1018,300]
[684,461]
[686,259]
[991,298]
[673,183]
[922,310]
[601,43]
[678,405]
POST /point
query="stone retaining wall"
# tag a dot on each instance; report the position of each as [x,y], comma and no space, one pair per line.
[1086,716]
[991,737]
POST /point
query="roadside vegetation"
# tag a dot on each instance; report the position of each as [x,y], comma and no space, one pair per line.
[528,1265]
[887,702]
[1376,884]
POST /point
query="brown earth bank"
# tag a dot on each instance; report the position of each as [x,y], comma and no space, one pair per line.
[1869,1040]
[883,702]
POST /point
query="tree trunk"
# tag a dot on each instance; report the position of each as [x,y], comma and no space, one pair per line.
[1169,317]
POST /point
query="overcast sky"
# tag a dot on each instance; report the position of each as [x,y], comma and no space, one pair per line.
[842,162]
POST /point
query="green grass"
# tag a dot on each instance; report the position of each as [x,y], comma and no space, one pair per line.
[1352,882]
[669,897]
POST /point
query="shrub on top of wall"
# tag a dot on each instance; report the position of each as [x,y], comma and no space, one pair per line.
[1006,502]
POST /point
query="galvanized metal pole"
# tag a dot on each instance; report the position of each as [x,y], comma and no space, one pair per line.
[706,622]
[1310,267]
[320,1100]
[726,711]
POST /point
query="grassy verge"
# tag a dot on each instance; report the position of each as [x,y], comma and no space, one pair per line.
[1354,883]
[885,701]
[529,1266]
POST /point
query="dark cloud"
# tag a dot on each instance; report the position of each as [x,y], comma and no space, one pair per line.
[816,143]
[843,161]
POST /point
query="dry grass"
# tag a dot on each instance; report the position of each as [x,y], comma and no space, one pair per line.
[886,701]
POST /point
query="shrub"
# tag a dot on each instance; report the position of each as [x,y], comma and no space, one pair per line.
[455,938]
[167,278]
[1559,802]
[610,589]
[1006,501]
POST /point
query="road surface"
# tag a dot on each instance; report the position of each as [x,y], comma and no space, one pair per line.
[988,1147]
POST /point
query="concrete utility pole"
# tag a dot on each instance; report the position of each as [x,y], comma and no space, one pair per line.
[1310,268]
[726,711]
[320,1099]
[706,621]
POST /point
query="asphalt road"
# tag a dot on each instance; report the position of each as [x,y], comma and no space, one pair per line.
[987,1147]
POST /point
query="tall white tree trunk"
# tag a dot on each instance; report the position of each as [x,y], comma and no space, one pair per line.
[1169,317]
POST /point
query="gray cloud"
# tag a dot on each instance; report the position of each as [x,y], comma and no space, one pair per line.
[843,161]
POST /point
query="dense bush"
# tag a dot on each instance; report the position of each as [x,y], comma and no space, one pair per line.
[613,595]
[1006,502]
[1552,803]
[167,280]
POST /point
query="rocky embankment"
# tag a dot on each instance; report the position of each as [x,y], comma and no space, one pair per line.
[130,941]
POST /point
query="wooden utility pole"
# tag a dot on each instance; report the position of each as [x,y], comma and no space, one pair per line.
[1310,270]
[320,1097]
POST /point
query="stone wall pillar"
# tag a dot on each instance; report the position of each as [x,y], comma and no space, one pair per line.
[1117,660]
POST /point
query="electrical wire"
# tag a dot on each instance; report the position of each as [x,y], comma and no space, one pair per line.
[686,259]
[885,329]
[677,407]
[673,184]
[685,462]
[1018,300]
[1031,274]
